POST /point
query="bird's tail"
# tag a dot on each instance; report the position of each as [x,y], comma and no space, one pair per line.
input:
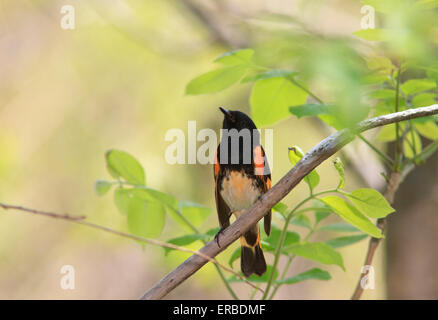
[252,259]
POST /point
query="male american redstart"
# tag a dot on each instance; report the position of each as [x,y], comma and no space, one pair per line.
[241,175]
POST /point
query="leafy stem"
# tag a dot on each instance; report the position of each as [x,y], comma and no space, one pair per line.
[289,262]
[195,230]
[382,155]
[310,93]
[284,231]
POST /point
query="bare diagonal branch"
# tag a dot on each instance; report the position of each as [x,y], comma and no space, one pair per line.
[311,160]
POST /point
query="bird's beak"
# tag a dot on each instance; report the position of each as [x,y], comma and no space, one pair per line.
[226,112]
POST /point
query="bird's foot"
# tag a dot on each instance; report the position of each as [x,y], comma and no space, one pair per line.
[216,237]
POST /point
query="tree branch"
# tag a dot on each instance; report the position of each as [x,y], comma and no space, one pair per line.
[310,161]
[43,213]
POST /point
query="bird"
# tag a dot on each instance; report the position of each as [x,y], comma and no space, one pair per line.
[242,176]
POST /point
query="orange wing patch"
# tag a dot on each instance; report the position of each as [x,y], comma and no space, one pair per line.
[268,183]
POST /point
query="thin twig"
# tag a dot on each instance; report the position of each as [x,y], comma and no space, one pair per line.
[43,213]
[384,157]
[80,220]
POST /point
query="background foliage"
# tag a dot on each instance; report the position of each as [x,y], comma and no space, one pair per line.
[131,71]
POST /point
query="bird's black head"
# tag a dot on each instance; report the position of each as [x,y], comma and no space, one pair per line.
[236,120]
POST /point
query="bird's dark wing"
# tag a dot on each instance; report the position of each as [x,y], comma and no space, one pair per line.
[268,216]
[263,173]
[223,211]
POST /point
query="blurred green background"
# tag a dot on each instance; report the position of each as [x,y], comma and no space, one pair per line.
[117,81]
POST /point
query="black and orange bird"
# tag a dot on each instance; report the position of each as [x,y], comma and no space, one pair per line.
[241,175]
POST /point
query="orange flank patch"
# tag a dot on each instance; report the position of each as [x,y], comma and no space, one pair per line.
[259,161]
[268,183]
[216,165]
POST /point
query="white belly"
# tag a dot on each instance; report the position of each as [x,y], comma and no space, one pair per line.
[238,191]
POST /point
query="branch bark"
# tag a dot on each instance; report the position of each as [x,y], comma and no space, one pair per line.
[311,160]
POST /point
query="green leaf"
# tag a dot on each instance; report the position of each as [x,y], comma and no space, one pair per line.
[280,207]
[213,231]
[167,200]
[178,218]
[371,34]
[317,251]
[309,110]
[387,133]
[145,218]
[255,278]
[295,154]
[315,273]
[185,240]
[121,164]
[417,85]
[270,243]
[236,57]
[352,215]
[269,74]
[194,212]
[216,80]
[382,94]
[427,129]
[271,98]
[370,202]
[122,197]
[433,118]
[102,187]
[374,78]
[152,194]
[234,256]
[424,99]
[301,220]
[322,211]
[383,107]
[339,166]
[334,121]
[345,241]
[339,227]
[321,215]
[380,65]
[412,144]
